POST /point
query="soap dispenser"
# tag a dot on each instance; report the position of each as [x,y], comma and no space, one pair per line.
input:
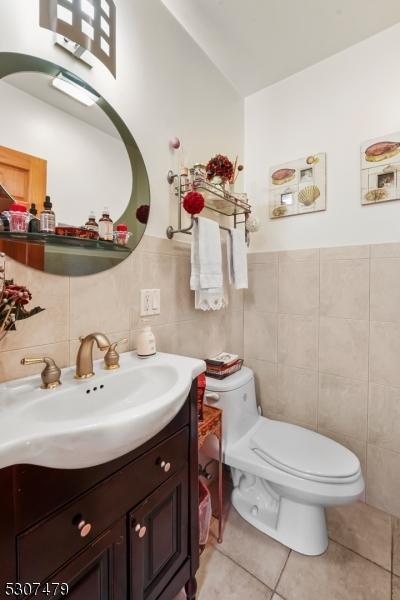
[146,342]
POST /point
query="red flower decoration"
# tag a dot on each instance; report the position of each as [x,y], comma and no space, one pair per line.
[142,213]
[18,293]
[193,203]
[220,166]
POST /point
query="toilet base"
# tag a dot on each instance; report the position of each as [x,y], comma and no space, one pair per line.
[301,527]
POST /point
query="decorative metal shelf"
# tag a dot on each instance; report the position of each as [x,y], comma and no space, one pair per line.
[216,198]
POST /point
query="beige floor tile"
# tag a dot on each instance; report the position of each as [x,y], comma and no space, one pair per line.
[277,597]
[396,545]
[364,529]
[395,587]
[259,554]
[339,574]
[219,578]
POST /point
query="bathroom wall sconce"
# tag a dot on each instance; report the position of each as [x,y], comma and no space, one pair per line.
[89,24]
[67,85]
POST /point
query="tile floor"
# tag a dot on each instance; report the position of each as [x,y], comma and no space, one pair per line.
[364,549]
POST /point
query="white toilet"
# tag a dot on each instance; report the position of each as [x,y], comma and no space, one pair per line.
[283,475]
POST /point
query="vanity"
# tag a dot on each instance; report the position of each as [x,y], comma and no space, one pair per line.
[126,528]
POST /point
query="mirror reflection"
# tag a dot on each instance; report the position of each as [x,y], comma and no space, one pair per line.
[74,194]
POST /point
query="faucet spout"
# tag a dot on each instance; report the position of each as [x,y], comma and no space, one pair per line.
[84,359]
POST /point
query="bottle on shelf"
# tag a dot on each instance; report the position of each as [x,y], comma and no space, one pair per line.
[34,223]
[106,226]
[47,217]
[91,223]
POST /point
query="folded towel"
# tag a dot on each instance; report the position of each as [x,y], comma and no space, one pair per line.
[206,276]
[237,259]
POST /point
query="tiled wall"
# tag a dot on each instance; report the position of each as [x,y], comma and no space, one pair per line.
[109,302]
[322,333]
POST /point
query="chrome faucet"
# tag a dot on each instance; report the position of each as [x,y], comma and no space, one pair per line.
[84,359]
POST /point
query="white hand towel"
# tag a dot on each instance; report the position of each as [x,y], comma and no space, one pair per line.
[206,276]
[237,259]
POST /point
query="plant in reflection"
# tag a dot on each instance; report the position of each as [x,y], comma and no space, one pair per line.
[13,301]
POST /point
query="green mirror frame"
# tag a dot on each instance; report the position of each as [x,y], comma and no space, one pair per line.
[11,63]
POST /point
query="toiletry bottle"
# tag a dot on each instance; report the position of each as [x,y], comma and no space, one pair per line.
[146,342]
[47,217]
[106,226]
[91,223]
[34,223]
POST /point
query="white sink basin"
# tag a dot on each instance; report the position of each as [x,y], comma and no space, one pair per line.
[83,423]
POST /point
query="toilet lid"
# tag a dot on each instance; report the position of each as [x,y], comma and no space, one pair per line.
[302,452]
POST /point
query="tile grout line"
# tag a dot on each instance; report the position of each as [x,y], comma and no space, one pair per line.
[360,555]
[243,568]
[281,573]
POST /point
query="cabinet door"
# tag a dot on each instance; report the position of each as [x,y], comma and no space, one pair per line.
[159,538]
[97,573]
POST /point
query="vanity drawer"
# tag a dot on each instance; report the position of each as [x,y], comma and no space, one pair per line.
[43,549]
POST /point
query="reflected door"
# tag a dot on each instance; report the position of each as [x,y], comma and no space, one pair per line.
[24,176]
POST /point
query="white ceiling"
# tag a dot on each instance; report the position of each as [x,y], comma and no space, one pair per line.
[258,42]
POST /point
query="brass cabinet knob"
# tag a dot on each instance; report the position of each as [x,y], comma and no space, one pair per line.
[140,530]
[84,528]
[165,466]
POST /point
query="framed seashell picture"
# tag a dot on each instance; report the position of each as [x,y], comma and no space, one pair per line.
[380,169]
[298,187]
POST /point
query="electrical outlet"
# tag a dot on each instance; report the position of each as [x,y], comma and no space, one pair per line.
[146,303]
[149,303]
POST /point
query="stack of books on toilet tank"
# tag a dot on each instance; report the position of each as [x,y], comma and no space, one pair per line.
[223,365]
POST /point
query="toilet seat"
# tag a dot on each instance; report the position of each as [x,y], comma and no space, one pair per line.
[303,453]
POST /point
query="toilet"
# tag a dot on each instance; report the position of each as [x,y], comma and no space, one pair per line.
[283,475]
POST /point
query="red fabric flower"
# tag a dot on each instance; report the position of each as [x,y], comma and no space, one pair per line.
[220,166]
[142,213]
[19,293]
[193,203]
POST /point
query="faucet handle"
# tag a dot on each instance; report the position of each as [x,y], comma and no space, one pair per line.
[111,358]
[51,373]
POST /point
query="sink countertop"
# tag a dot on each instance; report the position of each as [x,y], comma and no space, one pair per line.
[83,423]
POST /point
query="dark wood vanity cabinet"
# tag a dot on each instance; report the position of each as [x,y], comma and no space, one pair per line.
[125,530]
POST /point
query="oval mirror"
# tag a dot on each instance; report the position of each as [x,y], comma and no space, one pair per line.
[74,191]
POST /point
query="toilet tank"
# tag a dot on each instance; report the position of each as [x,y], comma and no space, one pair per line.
[236,396]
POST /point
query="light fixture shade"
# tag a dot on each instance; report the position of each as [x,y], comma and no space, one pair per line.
[89,23]
[68,86]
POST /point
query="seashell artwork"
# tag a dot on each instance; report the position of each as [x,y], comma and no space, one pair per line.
[298,187]
[380,169]
[279,211]
[309,194]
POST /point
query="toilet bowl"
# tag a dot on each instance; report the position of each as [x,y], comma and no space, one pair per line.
[283,475]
